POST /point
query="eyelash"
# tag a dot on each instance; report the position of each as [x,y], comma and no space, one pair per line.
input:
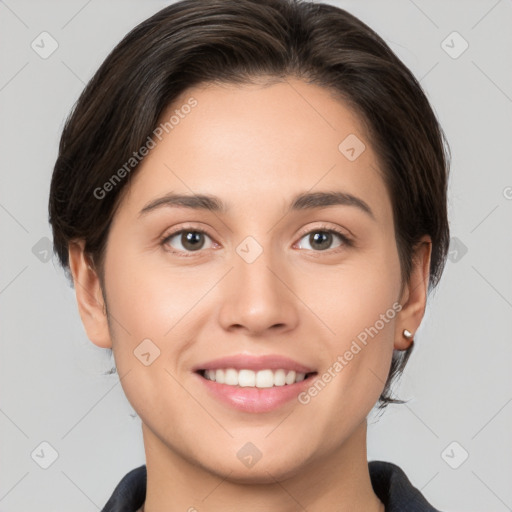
[347,242]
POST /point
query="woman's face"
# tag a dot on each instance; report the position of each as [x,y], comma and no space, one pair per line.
[265,283]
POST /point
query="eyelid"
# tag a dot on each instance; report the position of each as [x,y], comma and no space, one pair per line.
[326,227]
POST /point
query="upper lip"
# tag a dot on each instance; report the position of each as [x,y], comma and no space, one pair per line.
[251,362]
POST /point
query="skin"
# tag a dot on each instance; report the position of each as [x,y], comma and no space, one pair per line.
[255,147]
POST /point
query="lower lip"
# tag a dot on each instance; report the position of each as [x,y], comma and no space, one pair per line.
[250,399]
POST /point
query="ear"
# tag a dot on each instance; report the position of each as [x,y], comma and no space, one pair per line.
[414,295]
[91,304]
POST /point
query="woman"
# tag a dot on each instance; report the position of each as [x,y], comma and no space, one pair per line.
[250,199]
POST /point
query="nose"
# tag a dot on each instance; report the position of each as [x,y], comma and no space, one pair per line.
[258,297]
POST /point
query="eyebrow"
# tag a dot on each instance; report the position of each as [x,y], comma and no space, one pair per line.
[303,201]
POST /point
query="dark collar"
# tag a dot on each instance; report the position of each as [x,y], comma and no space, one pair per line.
[389,482]
[395,490]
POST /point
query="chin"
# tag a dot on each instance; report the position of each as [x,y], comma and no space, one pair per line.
[266,470]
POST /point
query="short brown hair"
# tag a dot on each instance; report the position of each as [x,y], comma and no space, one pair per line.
[198,41]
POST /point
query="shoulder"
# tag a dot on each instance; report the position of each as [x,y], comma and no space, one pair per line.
[395,490]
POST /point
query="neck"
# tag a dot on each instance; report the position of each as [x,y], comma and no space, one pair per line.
[338,480]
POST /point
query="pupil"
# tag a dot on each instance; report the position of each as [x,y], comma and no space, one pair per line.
[191,240]
[320,238]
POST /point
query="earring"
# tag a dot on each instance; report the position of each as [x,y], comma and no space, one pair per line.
[407,334]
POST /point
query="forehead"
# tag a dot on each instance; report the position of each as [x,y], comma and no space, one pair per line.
[257,144]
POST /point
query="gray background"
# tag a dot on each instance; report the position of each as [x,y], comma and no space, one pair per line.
[53,387]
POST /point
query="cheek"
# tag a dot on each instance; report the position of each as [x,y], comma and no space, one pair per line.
[148,299]
[352,297]
[148,308]
[356,359]
[158,309]
[360,305]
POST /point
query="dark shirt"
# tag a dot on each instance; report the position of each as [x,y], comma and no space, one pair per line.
[389,482]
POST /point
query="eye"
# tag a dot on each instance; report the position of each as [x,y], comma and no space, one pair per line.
[186,240]
[321,239]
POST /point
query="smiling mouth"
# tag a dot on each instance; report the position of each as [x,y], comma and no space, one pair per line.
[246,378]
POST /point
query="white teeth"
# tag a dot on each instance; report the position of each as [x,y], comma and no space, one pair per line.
[220,376]
[246,378]
[264,379]
[279,378]
[290,377]
[250,378]
[231,377]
